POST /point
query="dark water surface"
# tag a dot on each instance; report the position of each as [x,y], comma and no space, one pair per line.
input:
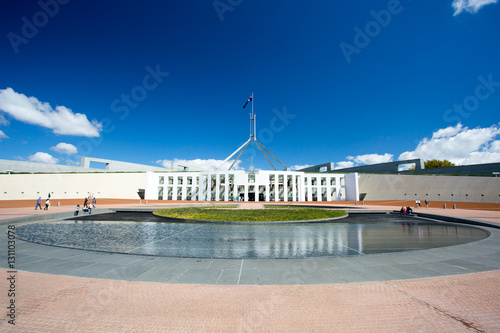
[358,234]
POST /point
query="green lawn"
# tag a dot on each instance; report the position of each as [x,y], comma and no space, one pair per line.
[269,214]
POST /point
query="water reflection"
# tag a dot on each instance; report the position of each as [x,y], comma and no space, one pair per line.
[356,235]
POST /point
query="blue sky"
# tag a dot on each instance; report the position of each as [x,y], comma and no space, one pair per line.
[347,82]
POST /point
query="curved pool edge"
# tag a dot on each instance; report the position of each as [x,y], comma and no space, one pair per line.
[180,220]
[480,256]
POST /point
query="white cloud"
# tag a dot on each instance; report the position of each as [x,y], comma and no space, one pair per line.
[199,164]
[3,121]
[371,158]
[61,120]
[344,164]
[2,135]
[300,167]
[65,148]
[366,159]
[42,158]
[447,132]
[459,145]
[471,6]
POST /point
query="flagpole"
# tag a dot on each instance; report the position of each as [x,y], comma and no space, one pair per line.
[252,138]
[252,133]
[254,122]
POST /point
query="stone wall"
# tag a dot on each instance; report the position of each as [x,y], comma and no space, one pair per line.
[433,188]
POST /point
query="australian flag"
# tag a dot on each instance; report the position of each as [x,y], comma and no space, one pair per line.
[249,100]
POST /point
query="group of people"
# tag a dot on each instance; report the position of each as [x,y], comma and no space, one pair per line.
[408,210]
[419,205]
[88,204]
[39,203]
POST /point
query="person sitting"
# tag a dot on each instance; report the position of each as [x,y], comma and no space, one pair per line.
[409,210]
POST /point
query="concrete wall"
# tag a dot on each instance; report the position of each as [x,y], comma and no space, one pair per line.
[325,167]
[388,167]
[119,166]
[486,169]
[126,186]
[114,166]
[432,188]
[70,186]
[21,166]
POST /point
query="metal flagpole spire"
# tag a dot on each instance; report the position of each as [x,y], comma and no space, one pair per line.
[253,137]
[252,131]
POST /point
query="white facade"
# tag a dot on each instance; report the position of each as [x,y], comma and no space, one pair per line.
[71,185]
[251,186]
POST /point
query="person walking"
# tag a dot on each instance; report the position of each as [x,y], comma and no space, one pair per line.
[93,202]
[77,210]
[47,204]
[426,203]
[38,203]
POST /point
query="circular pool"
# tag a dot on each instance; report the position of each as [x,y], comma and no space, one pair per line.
[145,234]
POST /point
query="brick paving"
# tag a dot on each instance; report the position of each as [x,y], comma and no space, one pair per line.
[51,303]
[54,303]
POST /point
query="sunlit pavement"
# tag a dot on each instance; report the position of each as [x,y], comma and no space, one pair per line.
[294,301]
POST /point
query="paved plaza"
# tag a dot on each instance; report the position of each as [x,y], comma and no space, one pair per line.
[453,289]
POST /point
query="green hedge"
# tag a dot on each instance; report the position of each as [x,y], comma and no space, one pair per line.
[270,214]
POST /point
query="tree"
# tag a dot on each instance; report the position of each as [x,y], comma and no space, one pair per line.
[437,164]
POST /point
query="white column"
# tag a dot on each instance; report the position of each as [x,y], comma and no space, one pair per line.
[209,188]
[226,187]
[217,187]
[174,188]
[337,187]
[183,188]
[285,187]
[294,188]
[309,188]
[301,188]
[329,188]
[276,187]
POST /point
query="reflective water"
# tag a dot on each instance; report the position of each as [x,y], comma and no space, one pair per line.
[355,235]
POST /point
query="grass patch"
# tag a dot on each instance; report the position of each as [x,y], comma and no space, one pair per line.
[264,215]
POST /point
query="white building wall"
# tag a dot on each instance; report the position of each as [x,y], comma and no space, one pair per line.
[351,182]
[71,186]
